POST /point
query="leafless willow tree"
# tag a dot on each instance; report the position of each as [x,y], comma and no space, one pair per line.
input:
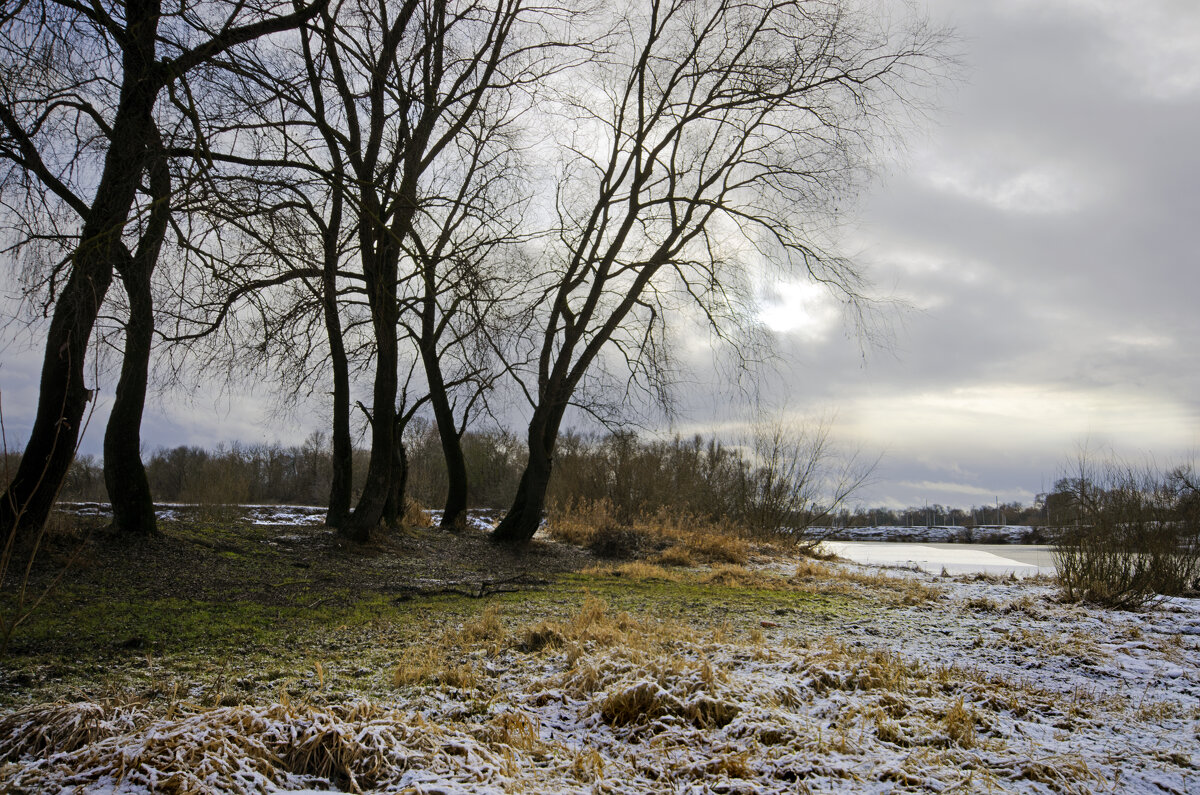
[412,82]
[1130,531]
[705,142]
[78,88]
[268,282]
[394,123]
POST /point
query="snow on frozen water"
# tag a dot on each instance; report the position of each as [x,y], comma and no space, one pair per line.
[960,559]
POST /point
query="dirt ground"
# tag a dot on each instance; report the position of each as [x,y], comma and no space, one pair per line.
[217,555]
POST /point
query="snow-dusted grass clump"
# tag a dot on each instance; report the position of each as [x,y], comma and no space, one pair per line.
[921,683]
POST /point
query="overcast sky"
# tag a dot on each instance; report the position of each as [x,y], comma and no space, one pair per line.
[1043,227]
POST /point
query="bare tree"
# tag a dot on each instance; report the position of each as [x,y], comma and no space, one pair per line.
[798,478]
[350,131]
[270,285]
[708,139]
[124,474]
[471,218]
[414,86]
[1130,534]
[80,83]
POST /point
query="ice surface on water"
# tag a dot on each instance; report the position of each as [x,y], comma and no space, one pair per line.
[934,560]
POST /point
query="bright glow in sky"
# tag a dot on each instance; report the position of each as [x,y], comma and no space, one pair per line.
[804,310]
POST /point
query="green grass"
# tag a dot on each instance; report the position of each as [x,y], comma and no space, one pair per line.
[86,643]
[214,611]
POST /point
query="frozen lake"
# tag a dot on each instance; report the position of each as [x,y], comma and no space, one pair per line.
[1023,560]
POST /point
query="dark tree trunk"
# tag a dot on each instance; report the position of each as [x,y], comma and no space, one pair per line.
[456,462]
[124,474]
[63,397]
[393,510]
[381,280]
[342,484]
[400,475]
[456,477]
[343,449]
[525,516]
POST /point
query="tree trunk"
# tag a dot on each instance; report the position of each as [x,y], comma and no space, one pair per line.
[381,281]
[456,478]
[343,449]
[377,488]
[393,510]
[525,515]
[529,504]
[63,397]
[342,484]
[456,462]
[124,474]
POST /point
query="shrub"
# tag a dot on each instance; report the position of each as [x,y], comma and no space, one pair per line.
[415,514]
[1134,534]
[666,537]
[615,541]
[781,481]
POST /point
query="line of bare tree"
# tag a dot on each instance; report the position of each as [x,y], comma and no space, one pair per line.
[467,205]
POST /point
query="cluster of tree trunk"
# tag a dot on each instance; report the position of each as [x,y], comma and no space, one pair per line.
[462,202]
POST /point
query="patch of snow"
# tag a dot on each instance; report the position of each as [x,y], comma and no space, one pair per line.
[934,560]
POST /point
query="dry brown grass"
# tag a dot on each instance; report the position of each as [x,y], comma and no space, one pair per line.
[811,569]
[634,570]
[675,555]
[664,538]
[52,728]
[735,576]
[959,723]
[1061,773]
[646,701]
[415,514]
[894,590]
[811,576]
[594,626]
[233,749]
[417,667]
[512,729]
[487,628]
[443,661]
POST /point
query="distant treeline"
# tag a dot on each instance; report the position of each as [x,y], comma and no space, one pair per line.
[301,474]
[778,480]
[936,515]
[700,476]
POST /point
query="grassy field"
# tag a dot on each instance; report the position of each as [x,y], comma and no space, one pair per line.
[225,656]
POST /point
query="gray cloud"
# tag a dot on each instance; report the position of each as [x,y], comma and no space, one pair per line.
[1043,227]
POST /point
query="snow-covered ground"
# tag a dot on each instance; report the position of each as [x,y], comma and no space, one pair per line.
[295,515]
[922,682]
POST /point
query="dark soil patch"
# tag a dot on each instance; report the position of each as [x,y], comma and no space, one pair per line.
[227,559]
